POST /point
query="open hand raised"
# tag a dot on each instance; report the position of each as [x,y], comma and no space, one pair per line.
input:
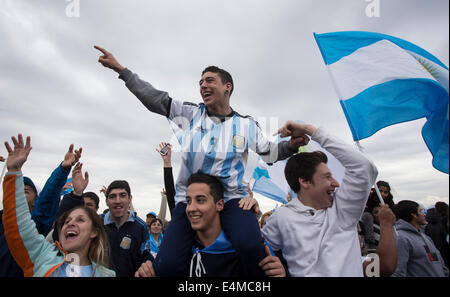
[71,157]
[17,156]
[79,182]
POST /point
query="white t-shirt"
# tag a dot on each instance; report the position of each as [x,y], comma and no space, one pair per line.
[70,270]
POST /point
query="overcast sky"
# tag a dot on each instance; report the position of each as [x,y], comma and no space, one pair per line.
[53,89]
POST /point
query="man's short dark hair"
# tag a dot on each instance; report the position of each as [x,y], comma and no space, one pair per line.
[382,183]
[93,196]
[225,76]
[215,187]
[303,166]
[442,208]
[118,184]
[404,210]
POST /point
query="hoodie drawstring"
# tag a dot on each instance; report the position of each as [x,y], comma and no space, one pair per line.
[199,268]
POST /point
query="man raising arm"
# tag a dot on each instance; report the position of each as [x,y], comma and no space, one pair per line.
[316,231]
[215,140]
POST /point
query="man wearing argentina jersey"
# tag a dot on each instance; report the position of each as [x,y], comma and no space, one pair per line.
[214,140]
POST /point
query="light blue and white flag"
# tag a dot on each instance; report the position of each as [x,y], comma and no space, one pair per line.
[382,80]
[270,181]
[69,190]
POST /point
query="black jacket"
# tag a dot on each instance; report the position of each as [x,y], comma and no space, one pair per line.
[436,230]
[126,244]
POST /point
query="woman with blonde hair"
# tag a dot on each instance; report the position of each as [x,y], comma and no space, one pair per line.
[82,250]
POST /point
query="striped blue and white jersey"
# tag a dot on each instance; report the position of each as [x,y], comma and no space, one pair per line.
[214,145]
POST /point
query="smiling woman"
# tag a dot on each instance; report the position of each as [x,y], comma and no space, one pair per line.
[82,233]
[82,251]
[83,239]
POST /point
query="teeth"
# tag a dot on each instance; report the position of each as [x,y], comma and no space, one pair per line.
[71,233]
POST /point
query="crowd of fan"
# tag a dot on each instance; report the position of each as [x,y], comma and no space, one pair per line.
[328,228]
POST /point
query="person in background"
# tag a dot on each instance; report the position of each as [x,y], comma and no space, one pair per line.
[385,191]
[126,232]
[371,227]
[368,224]
[417,254]
[91,200]
[437,228]
[150,216]
[155,238]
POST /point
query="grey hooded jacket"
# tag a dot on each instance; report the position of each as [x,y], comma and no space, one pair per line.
[417,255]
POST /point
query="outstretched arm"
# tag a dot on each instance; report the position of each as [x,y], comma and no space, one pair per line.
[168,176]
[154,100]
[167,158]
[74,198]
[47,202]
[387,250]
[25,244]
[270,151]
[296,130]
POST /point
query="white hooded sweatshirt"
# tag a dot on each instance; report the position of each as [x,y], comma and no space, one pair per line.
[325,242]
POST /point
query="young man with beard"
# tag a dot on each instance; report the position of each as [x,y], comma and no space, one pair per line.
[215,140]
[317,230]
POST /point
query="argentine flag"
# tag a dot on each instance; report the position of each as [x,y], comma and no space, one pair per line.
[270,181]
[382,80]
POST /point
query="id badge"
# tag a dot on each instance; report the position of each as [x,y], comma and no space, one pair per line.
[126,243]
